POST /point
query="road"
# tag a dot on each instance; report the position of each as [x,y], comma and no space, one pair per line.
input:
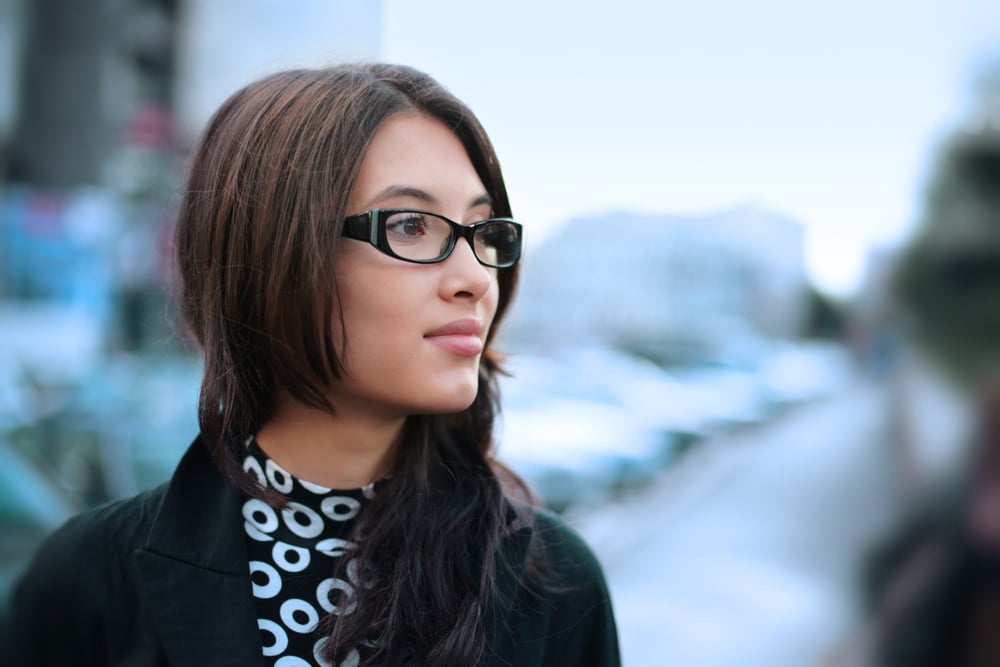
[745,553]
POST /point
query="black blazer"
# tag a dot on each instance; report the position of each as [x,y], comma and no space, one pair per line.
[163,579]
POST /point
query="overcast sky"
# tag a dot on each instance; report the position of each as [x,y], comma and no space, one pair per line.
[826,113]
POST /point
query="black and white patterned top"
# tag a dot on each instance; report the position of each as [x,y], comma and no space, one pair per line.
[293,554]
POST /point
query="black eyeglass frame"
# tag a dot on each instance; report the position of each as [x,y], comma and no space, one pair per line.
[360,227]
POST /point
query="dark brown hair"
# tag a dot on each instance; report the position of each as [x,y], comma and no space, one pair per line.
[257,237]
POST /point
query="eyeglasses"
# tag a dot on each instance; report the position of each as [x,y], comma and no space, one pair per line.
[426,238]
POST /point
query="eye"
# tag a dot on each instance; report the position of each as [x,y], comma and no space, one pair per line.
[407,225]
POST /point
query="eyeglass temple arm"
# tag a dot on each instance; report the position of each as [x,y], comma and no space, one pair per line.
[373,226]
[354,226]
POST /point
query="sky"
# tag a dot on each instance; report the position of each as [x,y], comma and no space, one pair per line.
[826,112]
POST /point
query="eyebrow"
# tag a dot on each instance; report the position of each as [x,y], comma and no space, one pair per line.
[394,191]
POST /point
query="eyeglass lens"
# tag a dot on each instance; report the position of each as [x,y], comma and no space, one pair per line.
[426,237]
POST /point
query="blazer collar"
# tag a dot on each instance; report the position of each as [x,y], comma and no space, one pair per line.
[194,570]
[195,577]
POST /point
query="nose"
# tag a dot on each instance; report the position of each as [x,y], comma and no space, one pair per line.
[464,277]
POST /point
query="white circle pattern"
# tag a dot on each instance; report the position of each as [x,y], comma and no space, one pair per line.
[292,585]
[318,489]
[352,571]
[312,525]
[353,659]
[252,466]
[334,584]
[254,534]
[318,653]
[334,507]
[273,585]
[260,515]
[334,546]
[289,557]
[288,609]
[278,476]
[354,577]
[277,632]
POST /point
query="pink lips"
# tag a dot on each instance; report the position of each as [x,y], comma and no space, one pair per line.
[460,337]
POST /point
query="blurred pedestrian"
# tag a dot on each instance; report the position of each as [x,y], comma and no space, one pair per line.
[934,584]
[345,255]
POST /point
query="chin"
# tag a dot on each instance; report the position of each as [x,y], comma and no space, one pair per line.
[443,405]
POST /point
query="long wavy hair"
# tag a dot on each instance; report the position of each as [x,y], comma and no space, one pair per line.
[257,237]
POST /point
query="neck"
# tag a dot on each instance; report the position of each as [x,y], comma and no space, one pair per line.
[345,451]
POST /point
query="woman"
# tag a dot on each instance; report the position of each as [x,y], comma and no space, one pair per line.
[345,255]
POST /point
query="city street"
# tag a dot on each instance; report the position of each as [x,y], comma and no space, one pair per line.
[745,553]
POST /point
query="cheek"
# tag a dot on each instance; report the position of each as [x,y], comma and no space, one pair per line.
[380,301]
[492,299]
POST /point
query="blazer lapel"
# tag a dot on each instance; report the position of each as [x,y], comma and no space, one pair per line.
[194,572]
[500,621]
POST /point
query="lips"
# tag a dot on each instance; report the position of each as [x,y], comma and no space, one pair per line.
[465,327]
[461,337]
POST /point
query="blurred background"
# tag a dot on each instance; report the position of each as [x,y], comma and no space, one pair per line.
[753,359]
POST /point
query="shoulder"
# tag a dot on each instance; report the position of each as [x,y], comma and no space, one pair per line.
[563,545]
[98,540]
[108,531]
[565,564]
[566,615]
[80,576]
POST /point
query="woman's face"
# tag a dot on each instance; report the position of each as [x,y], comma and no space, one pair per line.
[415,332]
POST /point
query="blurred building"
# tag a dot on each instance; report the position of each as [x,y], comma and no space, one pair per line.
[224,44]
[664,285]
[78,78]
[100,102]
[82,79]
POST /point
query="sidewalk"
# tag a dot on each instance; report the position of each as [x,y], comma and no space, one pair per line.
[744,555]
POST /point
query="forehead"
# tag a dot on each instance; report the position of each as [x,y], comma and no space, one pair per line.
[414,151]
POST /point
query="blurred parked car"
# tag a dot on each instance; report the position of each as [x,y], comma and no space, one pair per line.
[581,423]
[793,373]
[574,435]
[574,452]
[733,395]
[651,395]
[654,396]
